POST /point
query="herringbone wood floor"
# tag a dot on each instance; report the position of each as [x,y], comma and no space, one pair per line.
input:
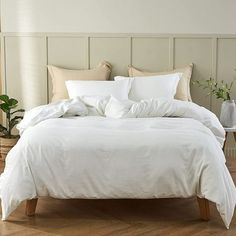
[117,217]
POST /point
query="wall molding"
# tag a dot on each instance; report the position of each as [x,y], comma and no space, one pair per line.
[72,34]
[3,65]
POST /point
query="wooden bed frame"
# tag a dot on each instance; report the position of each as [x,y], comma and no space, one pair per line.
[202,203]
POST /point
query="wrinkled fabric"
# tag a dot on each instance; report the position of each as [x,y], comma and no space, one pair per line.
[128,150]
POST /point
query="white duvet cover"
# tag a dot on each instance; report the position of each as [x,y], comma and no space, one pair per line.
[128,150]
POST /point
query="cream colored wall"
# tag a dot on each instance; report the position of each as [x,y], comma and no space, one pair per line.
[119,16]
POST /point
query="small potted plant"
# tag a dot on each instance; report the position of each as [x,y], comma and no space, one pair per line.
[222,91]
[7,139]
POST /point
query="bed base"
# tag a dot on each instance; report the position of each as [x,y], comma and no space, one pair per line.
[202,203]
[31,207]
[204,208]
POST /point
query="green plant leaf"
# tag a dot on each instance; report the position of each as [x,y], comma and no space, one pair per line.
[5,107]
[4,98]
[232,83]
[13,106]
[12,102]
[219,89]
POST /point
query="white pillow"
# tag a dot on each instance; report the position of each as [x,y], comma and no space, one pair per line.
[147,87]
[118,89]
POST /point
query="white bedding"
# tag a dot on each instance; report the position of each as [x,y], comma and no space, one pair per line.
[118,156]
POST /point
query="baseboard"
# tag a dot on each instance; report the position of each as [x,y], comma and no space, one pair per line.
[230,153]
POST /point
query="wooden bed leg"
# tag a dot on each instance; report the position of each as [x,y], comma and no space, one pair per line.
[31,207]
[204,208]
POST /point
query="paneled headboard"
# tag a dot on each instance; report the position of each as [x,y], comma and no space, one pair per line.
[26,55]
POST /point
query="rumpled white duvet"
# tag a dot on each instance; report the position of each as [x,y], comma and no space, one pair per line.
[104,148]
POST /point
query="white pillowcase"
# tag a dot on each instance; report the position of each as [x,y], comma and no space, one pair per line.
[147,87]
[118,89]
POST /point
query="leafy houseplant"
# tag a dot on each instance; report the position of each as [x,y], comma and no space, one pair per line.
[7,139]
[221,90]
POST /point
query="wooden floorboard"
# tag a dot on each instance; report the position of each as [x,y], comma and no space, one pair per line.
[117,217]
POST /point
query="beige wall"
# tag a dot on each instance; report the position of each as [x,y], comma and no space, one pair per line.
[131,16]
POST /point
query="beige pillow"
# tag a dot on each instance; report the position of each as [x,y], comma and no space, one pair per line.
[60,75]
[183,89]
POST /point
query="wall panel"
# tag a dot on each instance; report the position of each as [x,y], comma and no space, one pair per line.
[114,50]
[151,53]
[26,74]
[199,52]
[67,52]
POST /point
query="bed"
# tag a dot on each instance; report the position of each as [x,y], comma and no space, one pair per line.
[106,148]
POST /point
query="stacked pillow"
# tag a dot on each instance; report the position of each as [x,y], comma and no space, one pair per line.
[139,86]
[183,88]
[148,87]
[61,75]
[117,89]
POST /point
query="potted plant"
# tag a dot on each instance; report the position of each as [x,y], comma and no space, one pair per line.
[221,90]
[7,139]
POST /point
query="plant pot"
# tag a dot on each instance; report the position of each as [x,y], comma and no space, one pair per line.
[228,113]
[6,144]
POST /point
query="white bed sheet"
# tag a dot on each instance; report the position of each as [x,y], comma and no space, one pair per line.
[100,157]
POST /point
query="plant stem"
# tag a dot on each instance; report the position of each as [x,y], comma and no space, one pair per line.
[8,121]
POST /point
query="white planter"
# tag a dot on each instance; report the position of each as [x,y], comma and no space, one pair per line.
[228,113]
